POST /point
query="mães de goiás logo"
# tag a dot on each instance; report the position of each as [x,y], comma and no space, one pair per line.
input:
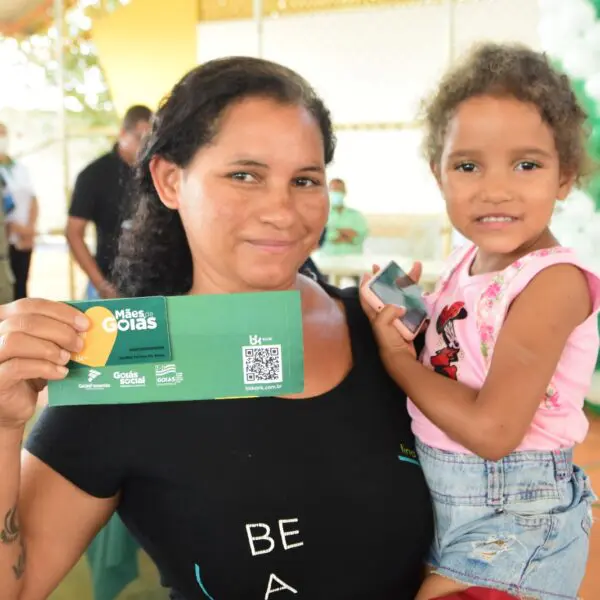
[129,320]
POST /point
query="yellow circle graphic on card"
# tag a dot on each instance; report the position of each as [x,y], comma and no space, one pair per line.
[100,338]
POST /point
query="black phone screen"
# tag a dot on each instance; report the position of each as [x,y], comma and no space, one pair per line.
[394,286]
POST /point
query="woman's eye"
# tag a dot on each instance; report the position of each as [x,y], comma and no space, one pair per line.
[243,177]
[305,182]
[466,167]
[527,165]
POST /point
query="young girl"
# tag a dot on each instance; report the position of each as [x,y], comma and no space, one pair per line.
[497,395]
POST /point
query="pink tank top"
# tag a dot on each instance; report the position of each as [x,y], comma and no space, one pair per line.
[467,312]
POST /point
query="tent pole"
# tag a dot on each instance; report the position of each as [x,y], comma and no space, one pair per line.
[258,23]
[59,23]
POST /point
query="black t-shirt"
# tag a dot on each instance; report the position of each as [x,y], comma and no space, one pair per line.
[100,196]
[262,498]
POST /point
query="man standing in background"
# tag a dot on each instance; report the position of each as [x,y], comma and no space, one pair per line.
[100,197]
[22,218]
[346,228]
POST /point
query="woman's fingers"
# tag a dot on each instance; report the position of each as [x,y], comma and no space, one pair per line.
[18,344]
[57,311]
[28,326]
[16,370]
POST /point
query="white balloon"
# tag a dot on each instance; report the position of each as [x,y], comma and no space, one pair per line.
[592,87]
[547,6]
[580,13]
[572,18]
[557,36]
[592,38]
[580,62]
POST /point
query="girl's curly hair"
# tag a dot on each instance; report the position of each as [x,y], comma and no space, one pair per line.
[154,255]
[519,72]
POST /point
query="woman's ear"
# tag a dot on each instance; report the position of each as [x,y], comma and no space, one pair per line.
[166,176]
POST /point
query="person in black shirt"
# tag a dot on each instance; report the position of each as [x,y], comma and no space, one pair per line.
[317,496]
[100,197]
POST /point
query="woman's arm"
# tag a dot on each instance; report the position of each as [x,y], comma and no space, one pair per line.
[57,522]
[493,421]
[45,521]
[11,548]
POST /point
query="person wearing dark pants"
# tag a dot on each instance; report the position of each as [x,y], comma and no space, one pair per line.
[20,260]
[21,219]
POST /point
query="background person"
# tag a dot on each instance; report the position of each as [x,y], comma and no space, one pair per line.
[100,197]
[21,220]
[347,228]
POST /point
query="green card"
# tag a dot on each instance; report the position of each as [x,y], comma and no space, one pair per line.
[124,332]
[222,346]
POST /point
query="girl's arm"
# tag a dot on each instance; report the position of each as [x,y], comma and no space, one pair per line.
[492,422]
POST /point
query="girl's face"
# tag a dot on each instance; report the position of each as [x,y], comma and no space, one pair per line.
[500,174]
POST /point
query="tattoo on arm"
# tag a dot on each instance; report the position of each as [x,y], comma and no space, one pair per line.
[11,530]
[10,534]
[19,567]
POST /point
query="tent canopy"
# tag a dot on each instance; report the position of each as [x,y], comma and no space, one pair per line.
[24,17]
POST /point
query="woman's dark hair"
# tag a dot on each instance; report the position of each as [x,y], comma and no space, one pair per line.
[519,72]
[154,255]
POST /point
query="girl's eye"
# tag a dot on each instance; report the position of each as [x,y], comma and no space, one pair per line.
[527,165]
[466,167]
[243,177]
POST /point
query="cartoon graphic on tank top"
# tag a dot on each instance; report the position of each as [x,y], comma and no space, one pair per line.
[443,361]
[490,311]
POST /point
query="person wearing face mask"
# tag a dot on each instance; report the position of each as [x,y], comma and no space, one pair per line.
[346,228]
[99,197]
[21,219]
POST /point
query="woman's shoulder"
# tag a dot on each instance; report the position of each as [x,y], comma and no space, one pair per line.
[350,300]
[348,295]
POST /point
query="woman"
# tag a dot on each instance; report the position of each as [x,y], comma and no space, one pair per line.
[315,496]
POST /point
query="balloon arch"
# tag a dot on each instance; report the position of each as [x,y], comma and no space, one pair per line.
[569,31]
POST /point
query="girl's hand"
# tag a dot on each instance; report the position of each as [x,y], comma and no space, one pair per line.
[390,341]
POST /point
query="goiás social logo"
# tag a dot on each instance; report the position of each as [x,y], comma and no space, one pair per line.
[129,378]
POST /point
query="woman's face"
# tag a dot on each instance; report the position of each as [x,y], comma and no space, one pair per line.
[253,202]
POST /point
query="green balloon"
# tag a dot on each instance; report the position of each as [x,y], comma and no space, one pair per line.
[594,141]
[596,5]
[593,189]
[588,104]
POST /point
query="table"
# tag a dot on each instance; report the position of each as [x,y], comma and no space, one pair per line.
[337,267]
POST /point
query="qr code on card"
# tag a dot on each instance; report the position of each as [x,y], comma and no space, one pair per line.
[262,364]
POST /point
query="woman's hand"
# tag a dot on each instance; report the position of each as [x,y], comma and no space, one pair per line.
[37,338]
[389,339]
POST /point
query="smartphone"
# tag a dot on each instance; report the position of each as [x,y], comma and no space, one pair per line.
[393,286]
